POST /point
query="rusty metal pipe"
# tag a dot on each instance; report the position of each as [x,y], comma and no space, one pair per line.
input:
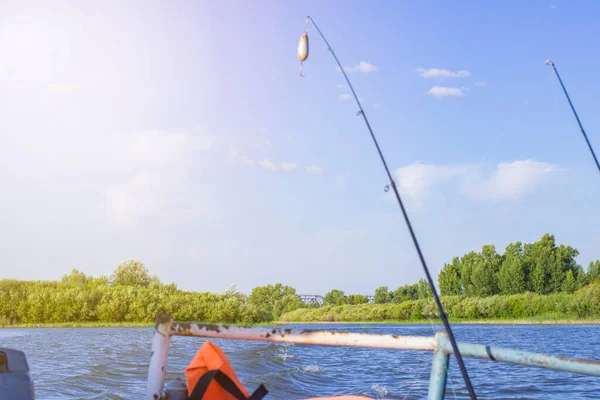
[323,338]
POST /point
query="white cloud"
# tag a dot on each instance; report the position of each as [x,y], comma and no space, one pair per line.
[553,7]
[287,166]
[233,153]
[361,67]
[481,84]
[512,180]
[266,164]
[345,97]
[315,170]
[509,180]
[378,105]
[341,86]
[441,91]
[415,180]
[268,143]
[441,73]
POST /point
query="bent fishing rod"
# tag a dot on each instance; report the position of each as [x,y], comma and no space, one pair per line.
[550,62]
[303,55]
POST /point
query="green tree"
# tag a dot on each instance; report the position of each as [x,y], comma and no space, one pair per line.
[272,300]
[513,275]
[334,298]
[564,261]
[382,295]
[357,299]
[484,273]
[132,273]
[75,278]
[287,303]
[405,293]
[449,278]
[468,263]
[569,285]
[593,270]
[423,289]
[581,278]
[542,256]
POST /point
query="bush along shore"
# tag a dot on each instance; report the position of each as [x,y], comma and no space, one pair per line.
[527,307]
[533,282]
[132,296]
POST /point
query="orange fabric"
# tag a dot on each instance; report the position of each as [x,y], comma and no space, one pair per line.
[211,357]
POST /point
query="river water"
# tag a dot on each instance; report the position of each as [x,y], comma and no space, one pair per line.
[112,363]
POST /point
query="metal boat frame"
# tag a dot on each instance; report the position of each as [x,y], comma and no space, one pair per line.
[166,327]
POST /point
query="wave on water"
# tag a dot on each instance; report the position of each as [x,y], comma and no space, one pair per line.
[112,363]
[313,368]
[283,355]
[280,352]
[380,391]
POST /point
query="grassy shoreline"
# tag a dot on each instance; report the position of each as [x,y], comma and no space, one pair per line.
[115,325]
[456,322]
[531,321]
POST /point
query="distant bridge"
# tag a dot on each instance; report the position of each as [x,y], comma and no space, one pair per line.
[318,299]
[311,299]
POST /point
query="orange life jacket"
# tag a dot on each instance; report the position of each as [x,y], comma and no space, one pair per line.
[211,377]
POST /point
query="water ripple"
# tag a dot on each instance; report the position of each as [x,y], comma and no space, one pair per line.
[112,363]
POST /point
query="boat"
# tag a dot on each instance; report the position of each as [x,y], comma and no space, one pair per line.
[16,382]
[166,327]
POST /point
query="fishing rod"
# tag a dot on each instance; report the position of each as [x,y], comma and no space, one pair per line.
[550,62]
[303,55]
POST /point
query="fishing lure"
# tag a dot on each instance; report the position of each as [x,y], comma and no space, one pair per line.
[303,50]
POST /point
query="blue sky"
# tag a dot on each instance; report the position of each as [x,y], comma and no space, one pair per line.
[182,135]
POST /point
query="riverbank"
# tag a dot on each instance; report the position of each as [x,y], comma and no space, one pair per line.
[82,325]
[113,325]
[456,322]
[530,321]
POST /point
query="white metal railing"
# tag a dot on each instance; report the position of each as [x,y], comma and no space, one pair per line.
[440,345]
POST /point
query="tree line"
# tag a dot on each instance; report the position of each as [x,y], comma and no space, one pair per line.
[476,285]
[584,303]
[541,267]
[132,294]
[382,295]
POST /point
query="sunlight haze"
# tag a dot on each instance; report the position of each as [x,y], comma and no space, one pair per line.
[180,134]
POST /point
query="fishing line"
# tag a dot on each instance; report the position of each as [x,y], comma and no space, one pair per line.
[392,184]
[420,372]
[550,62]
[433,327]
